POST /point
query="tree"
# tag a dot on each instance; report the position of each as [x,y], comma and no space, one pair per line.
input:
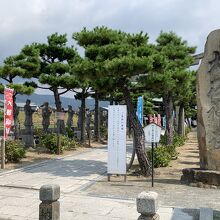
[55,58]
[186,97]
[118,56]
[24,65]
[172,57]
[103,90]
[82,93]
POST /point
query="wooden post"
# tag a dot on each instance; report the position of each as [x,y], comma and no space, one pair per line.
[109,176]
[2,153]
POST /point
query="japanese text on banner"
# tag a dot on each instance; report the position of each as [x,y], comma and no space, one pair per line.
[8,114]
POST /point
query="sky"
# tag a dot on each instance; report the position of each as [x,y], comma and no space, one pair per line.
[26,21]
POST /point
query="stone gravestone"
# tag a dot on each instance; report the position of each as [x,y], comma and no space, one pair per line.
[28,136]
[208,104]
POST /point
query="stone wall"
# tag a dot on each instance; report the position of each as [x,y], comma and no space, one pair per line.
[208,103]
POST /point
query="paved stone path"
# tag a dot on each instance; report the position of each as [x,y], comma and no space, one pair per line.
[19,189]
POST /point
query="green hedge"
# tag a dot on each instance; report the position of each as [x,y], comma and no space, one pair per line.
[49,141]
[163,154]
[14,151]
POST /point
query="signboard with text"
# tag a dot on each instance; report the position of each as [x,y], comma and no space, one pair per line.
[152,133]
[117,119]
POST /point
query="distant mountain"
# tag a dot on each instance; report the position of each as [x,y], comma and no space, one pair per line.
[40,99]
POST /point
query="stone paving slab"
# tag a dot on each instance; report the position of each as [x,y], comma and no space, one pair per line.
[70,172]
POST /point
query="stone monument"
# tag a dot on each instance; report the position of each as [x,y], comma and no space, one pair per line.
[28,137]
[208,104]
[46,112]
[70,112]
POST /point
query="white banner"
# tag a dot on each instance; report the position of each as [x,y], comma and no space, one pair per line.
[117,120]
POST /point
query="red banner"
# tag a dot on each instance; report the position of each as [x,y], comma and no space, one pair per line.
[159,120]
[150,119]
[8,114]
[155,119]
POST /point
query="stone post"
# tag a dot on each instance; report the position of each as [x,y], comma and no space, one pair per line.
[49,208]
[147,206]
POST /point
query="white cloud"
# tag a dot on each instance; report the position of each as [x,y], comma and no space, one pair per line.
[23,22]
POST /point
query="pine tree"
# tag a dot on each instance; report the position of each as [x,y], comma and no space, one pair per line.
[24,65]
[171,59]
[117,56]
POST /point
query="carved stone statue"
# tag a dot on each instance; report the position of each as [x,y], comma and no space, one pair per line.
[79,121]
[46,112]
[28,123]
[70,112]
[88,122]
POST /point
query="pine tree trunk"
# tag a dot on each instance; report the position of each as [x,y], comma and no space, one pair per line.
[57,100]
[83,121]
[138,135]
[96,120]
[168,104]
[181,121]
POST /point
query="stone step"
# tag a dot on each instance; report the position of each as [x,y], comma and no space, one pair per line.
[206,214]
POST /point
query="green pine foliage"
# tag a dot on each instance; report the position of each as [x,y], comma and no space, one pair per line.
[25,65]
[56,57]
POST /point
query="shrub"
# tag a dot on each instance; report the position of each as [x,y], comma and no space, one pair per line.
[163,139]
[49,141]
[1,116]
[161,156]
[187,130]
[14,151]
[104,132]
[69,132]
[178,140]
[171,149]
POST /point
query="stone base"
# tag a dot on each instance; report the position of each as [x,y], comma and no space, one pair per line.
[28,140]
[200,178]
[144,217]
[49,211]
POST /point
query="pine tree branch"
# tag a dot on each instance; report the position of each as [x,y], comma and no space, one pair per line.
[61,93]
[40,87]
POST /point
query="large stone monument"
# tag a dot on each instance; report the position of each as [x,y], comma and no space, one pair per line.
[208,103]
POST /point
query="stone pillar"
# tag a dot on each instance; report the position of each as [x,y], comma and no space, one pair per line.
[208,104]
[49,208]
[147,206]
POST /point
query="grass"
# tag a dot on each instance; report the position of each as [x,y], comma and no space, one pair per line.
[37,120]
